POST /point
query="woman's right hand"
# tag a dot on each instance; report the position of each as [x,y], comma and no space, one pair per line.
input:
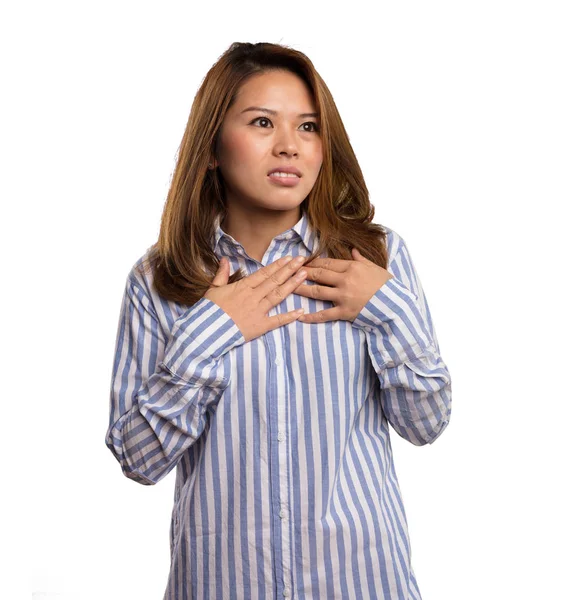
[248,300]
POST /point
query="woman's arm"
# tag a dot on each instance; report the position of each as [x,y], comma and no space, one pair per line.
[161,388]
[402,343]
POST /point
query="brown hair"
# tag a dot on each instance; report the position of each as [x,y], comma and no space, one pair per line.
[338,206]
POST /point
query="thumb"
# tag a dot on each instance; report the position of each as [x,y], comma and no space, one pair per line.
[221,278]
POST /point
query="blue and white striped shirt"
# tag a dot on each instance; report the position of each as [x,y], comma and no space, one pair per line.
[285,482]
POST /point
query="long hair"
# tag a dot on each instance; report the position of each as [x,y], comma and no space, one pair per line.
[338,206]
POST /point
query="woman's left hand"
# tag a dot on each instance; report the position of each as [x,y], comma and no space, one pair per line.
[349,284]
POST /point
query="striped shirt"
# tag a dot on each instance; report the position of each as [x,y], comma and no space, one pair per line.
[285,482]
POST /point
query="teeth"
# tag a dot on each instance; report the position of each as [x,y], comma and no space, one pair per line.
[280,174]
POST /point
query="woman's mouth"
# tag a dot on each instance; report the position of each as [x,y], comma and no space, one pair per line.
[285,179]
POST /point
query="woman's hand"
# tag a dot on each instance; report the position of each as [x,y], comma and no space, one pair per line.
[248,300]
[347,283]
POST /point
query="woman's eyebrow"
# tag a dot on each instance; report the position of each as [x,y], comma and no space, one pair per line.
[275,113]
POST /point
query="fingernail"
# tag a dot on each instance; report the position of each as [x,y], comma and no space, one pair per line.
[298,260]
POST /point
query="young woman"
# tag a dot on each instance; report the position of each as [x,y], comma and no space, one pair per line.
[277,420]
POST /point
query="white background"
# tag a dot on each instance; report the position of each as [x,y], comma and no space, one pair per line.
[457,114]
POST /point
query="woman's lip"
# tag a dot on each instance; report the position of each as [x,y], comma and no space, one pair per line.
[285,181]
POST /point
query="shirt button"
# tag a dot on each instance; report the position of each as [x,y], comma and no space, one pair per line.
[278,362]
[281,436]
[282,513]
[287,592]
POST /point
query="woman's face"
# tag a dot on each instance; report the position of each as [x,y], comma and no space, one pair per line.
[252,142]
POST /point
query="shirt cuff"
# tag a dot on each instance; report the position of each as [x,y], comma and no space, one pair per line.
[392,316]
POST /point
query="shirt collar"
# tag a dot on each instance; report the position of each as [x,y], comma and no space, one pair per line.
[302,230]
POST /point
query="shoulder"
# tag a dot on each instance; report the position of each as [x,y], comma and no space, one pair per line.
[394,242]
[139,284]
[141,275]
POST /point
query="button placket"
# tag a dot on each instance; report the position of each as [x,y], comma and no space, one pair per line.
[281,452]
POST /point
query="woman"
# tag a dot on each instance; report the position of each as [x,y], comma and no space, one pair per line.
[276,421]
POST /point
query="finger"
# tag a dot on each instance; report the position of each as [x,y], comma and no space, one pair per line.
[276,279]
[321,316]
[324,275]
[283,291]
[316,291]
[264,273]
[331,264]
[280,292]
[282,319]
[221,277]
[358,256]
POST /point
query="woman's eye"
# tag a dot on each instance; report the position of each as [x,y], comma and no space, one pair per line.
[261,119]
[315,126]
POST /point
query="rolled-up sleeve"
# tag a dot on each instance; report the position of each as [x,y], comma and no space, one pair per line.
[415,384]
[161,387]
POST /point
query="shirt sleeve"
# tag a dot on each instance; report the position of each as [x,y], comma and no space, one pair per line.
[158,407]
[415,382]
